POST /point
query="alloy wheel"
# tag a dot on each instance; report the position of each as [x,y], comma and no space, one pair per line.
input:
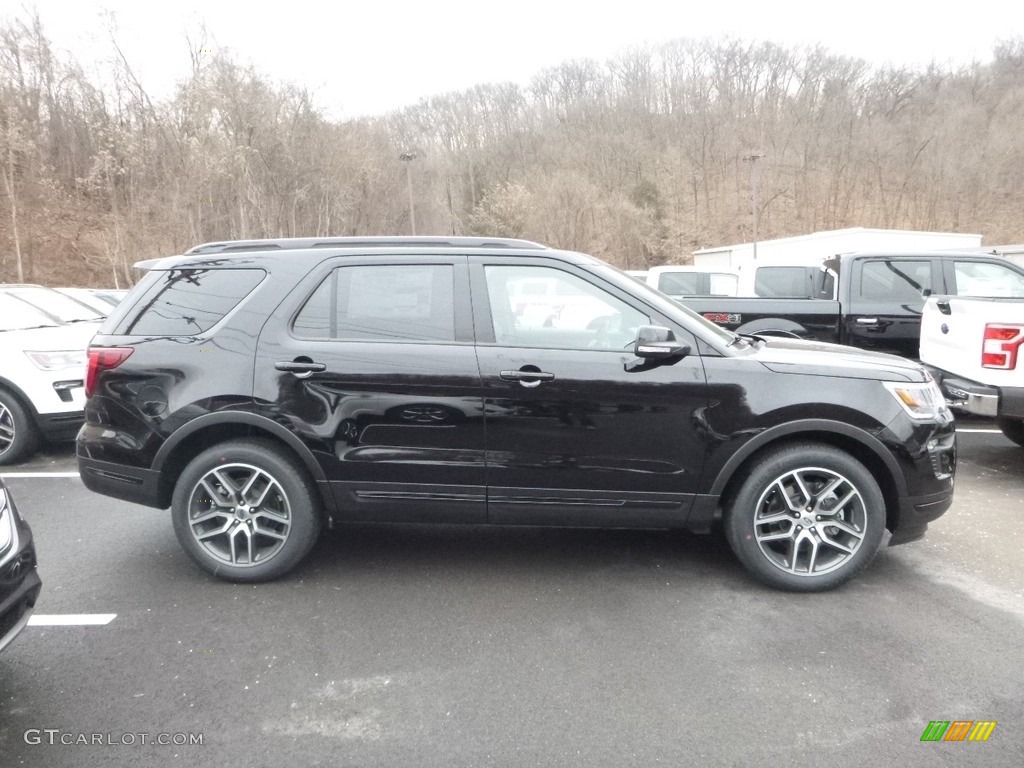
[239,514]
[810,521]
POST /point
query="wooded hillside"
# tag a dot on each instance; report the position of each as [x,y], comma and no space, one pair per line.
[638,160]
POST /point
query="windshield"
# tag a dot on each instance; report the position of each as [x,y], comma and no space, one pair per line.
[16,315]
[62,308]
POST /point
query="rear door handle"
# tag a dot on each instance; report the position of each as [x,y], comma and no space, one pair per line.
[300,366]
[867,321]
[526,378]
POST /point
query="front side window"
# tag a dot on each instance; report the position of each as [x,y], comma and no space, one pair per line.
[382,302]
[185,302]
[570,314]
[893,280]
[977,278]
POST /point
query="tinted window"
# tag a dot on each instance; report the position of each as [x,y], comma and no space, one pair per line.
[387,302]
[572,313]
[901,281]
[977,278]
[784,282]
[679,283]
[185,302]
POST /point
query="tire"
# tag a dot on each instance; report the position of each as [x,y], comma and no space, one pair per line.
[773,521]
[1013,429]
[19,436]
[246,542]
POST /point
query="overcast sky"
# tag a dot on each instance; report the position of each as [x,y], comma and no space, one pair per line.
[372,56]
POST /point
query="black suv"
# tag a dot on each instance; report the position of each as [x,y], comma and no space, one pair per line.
[262,389]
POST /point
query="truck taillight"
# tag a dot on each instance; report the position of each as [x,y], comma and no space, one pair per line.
[103,359]
[1000,346]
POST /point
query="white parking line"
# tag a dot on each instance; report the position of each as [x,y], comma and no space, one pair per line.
[71,619]
[38,474]
[990,431]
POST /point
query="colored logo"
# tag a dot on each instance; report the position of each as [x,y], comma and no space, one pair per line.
[958,730]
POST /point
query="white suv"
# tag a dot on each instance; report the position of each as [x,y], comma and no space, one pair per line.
[42,346]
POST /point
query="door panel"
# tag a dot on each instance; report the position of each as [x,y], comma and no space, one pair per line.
[573,438]
[397,425]
[887,300]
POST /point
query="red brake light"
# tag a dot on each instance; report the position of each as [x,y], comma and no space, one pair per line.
[1000,346]
[103,359]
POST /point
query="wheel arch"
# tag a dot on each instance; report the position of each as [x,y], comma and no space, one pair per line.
[864,447]
[776,325]
[24,400]
[206,431]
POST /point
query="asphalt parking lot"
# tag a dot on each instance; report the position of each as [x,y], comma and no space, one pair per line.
[419,646]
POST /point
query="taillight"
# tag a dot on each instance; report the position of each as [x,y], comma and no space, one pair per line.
[1000,346]
[103,359]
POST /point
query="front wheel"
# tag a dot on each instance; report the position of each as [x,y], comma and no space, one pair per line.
[245,510]
[1013,429]
[807,518]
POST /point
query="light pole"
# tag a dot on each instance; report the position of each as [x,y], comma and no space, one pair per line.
[407,158]
[754,176]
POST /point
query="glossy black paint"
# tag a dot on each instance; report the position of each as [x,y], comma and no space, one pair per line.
[20,584]
[469,431]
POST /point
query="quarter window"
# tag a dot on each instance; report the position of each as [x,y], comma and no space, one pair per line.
[387,302]
[190,301]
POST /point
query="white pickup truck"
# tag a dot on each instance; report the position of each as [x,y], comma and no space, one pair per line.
[974,348]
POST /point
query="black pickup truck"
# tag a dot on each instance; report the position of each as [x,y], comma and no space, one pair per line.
[868,300]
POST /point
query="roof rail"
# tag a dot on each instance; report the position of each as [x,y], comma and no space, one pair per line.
[302,243]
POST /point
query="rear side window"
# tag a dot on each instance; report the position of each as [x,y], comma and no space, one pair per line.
[679,283]
[385,302]
[892,280]
[185,302]
[784,282]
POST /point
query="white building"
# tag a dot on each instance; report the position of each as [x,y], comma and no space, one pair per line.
[810,250]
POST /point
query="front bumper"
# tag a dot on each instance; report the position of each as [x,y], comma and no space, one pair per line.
[19,588]
[915,514]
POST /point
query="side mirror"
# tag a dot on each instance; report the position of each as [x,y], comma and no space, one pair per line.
[656,343]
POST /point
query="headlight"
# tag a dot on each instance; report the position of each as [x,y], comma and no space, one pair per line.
[54,361]
[920,401]
[8,533]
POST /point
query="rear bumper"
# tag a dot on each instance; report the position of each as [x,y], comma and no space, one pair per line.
[139,486]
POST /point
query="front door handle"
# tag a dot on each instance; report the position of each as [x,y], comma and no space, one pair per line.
[526,378]
[300,367]
[867,321]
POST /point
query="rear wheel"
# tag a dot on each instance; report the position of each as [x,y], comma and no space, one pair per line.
[246,511]
[19,438]
[807,518]
[1013,429]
